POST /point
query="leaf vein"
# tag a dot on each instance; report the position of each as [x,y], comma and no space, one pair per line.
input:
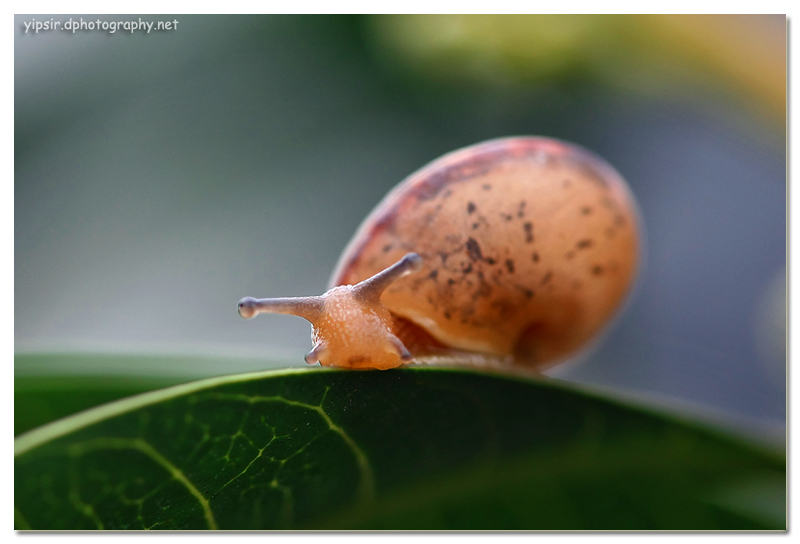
[144,447]
[366,490]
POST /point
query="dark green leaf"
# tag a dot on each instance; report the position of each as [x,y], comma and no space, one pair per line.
[42,399]
[423,448]
[49,386]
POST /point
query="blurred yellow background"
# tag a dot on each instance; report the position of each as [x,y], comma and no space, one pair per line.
[656,54]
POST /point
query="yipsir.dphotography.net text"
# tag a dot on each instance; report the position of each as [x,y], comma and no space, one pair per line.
[81,25]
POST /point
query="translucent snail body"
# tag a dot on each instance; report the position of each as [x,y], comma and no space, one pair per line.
[519,249]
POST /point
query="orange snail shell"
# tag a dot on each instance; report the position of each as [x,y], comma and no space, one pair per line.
[529,247]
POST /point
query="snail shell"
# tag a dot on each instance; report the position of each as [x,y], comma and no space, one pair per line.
[527,248]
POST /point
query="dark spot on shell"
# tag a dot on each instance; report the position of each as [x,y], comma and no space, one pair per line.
[521,210]
[446,194]
[447,315]
[467,269]
[528,226]
[547,277]
[486,186]
[535,257]
[597,270]
[489,260]
[483,290]
[451,281]
[569,254]
[356,359]
[433,274]
[583,244]
[474,250]
[576,285]
[586,210]
[387,248]
[510,265]
[444,257]
[470,207]
[480,221]
[619,220]
[525,291]
[507,216]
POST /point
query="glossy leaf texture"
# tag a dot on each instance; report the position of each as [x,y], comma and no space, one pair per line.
[416,448]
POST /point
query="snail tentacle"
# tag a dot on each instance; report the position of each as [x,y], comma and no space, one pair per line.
[401,349]
[308,308]
[370,289]
[318,352]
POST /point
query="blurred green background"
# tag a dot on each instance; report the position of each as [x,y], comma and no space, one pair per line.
[161,177]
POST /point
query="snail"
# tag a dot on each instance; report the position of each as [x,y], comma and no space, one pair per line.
[517,250]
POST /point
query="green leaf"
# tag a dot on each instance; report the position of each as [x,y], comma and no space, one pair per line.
[49,386]
[417,448]
[42,399]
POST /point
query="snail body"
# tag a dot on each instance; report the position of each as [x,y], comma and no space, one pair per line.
[518,249]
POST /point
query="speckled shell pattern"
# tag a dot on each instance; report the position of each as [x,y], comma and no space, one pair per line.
[530,245]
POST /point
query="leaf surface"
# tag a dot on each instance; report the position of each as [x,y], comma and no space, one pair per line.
[416,448]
